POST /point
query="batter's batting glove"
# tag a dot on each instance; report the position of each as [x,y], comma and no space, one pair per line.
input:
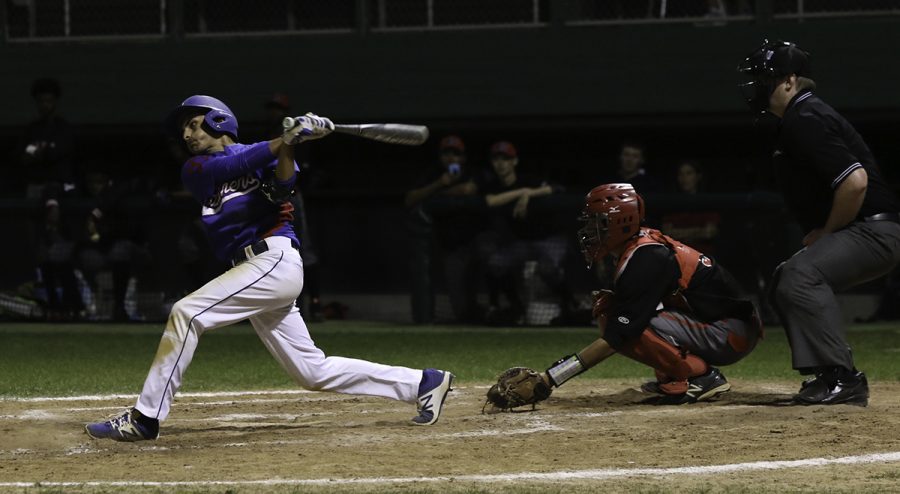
[306,128]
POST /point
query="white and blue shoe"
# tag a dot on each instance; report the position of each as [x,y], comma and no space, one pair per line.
[432,392]
[123,427]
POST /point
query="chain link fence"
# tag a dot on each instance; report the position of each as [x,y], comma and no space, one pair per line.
[419,14]
[800,9]
[64,19]
[268,16]
[84,18]
[644,11]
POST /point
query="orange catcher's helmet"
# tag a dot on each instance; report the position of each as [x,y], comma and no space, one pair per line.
[612,214]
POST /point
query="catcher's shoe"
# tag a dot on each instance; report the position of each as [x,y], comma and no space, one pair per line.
[665,388]
[123,427]
[701,388]
[432,392]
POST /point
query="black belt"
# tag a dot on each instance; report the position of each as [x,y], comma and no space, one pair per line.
[895,217]
[241,255]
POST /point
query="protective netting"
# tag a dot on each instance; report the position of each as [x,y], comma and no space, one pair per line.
[53,19]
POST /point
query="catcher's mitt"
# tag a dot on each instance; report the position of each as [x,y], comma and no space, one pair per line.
[516,387]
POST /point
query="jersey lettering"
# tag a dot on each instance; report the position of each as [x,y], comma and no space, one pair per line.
[229,190]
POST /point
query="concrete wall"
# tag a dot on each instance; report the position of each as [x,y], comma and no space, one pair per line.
[555,71]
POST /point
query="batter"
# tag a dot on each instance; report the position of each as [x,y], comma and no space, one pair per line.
[246,213]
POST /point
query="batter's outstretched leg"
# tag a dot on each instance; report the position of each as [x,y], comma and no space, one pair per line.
[285,334]
[266,281]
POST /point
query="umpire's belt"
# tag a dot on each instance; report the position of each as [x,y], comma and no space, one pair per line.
[895,217]
[259,247]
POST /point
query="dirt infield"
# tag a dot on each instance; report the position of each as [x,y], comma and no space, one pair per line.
[591,434]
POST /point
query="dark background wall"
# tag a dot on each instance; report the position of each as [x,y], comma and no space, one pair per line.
[555,71]
[566,95]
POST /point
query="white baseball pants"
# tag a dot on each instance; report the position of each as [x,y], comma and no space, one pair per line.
[263,289]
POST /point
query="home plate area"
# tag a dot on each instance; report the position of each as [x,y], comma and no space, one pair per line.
[589,433]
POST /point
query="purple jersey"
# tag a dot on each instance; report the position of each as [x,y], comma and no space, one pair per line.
[235,211]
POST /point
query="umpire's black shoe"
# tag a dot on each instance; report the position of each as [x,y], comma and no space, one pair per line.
[835,388]
[813,386]
[700,388]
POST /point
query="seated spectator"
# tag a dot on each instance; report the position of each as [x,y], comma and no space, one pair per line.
[519,233]
[631,169]
[56,270]
[697,228]
[190,261]
[48,146]
[111,241]
[453,227]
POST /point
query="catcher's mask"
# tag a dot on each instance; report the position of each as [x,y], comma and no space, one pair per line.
[612,214]
[767,65]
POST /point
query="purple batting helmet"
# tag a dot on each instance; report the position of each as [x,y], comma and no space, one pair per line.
[219,117]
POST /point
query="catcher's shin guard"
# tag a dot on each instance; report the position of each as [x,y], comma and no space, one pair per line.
[665,385]
[662,356]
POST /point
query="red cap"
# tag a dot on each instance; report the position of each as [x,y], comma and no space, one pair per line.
[505,148]
[453,142]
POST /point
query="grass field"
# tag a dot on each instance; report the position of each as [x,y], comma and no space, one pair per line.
[259,433]
[58,360]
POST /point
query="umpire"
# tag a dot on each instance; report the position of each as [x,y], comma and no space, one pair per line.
[835,189]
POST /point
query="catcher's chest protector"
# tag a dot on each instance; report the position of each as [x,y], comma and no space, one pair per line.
[687,257]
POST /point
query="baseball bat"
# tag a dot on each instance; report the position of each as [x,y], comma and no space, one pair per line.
[391,133]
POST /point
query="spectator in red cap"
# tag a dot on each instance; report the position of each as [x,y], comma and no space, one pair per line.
[442,211]
[520,233]
[449,179]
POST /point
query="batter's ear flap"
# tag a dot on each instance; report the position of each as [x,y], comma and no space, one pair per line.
[215,134]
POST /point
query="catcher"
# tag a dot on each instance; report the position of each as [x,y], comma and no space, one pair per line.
[673,309]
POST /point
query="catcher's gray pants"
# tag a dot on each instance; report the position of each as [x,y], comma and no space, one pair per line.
[804,286]
[722,342]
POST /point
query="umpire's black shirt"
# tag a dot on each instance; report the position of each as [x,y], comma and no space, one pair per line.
[815,150]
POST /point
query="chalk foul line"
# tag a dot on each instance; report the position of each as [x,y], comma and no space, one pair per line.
[507,477]
[196,394]
[199,394]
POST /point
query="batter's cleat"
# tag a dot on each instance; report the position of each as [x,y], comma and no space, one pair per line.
[835,388]
[432,392]
[125,428]
[701,388]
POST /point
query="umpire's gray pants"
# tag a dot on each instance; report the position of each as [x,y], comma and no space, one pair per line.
[804,286]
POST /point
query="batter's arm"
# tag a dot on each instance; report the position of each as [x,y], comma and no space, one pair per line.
[284,170]
[276,145]
[250,159]
[201,173]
